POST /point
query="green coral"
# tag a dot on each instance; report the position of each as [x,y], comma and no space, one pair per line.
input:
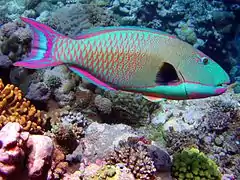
[108,172]
[186,33]
[157,133]
[190,163]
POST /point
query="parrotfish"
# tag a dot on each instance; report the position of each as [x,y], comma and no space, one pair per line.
[132,59]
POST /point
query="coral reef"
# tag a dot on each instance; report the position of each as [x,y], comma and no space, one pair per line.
[135,157]
[190,163]
[215,129]
[72,19]
[15,108]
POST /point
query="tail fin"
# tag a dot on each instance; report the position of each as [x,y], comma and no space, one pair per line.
[42,44]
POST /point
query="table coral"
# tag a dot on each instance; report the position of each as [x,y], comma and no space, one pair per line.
[15,108]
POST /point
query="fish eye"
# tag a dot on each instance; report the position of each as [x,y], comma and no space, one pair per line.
[204,60]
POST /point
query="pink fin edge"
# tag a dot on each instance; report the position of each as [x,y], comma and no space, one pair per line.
[91,78]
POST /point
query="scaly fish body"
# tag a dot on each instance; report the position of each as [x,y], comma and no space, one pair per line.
[138,60]
[120,58]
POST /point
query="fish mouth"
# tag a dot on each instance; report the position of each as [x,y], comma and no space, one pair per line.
[225,84]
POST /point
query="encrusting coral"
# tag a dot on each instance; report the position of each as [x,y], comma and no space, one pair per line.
[65,136]
[193,164]
[134,156]
[15,108]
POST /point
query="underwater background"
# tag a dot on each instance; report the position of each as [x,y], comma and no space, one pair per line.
[56,125]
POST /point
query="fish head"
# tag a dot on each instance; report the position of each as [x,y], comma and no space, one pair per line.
[202,76]
[195,76]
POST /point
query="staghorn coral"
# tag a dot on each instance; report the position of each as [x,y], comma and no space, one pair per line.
[193,164]
[135,157]
[15,108]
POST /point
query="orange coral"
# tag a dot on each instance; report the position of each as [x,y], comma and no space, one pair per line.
[15,108]
[59,165]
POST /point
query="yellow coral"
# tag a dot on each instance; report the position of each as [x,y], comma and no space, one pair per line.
[15,108]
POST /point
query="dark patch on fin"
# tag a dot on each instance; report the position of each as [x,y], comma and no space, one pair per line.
[167,74]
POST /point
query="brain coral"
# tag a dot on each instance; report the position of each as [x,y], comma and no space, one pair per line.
[15,108]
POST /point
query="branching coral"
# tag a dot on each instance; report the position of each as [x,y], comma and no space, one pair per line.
[15,108]
[135,157]
[192,164]
[59,166]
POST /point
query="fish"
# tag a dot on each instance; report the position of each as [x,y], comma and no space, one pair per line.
[145,61]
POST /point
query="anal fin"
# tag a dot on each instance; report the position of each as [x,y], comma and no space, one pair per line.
[86,75]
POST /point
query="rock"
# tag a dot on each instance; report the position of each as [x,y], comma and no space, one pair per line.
[12,149]
[39,160]
[76,156]
[5,62]
[208,139]
[161,118]
[219,140]
[161,158]
[38,92]
[101,138]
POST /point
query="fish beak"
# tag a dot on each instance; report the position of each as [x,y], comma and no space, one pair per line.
[220,89]
[198,90]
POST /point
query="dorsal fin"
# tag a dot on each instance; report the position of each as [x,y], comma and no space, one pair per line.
[101,30]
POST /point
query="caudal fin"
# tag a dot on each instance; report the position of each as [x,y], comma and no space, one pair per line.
[42,44]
